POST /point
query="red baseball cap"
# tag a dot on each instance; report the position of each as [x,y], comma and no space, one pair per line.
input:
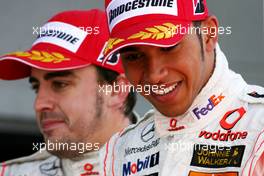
[69,40]
[161,23]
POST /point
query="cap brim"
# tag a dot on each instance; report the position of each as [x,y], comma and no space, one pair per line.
[158,33]
[18,65]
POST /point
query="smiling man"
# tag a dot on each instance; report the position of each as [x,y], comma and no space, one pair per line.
[65,70]
[207,120]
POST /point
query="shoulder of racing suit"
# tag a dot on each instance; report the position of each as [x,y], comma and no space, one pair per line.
[35,156]
[253,97]
[253,94]
[36,164]
[127,135]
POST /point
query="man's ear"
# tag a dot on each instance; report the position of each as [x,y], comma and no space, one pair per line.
[119,93]
[210,25]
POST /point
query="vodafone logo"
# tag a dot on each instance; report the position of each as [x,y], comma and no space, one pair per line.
[230,119]
[174,126]
[223,136]
[89,170]
[225,124]
[88,167]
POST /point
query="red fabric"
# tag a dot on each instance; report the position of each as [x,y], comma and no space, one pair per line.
[14,66]
[128,25]
[259,168]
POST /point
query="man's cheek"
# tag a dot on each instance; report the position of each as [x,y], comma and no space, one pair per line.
[132,75]
[38,120]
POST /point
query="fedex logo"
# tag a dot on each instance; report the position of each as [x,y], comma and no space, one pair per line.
[149,162]
[213,101]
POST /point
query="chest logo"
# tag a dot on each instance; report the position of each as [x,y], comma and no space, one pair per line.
[213,101]
[210,156]
[148,132]
[230,119]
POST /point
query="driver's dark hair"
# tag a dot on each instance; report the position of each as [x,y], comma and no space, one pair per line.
[197,25]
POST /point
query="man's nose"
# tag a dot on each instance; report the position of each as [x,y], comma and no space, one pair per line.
[44,101]
[155,70]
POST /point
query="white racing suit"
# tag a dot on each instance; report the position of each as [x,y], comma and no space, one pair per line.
[45,164]
[221,134]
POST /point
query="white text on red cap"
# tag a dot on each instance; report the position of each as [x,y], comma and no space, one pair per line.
[119,10]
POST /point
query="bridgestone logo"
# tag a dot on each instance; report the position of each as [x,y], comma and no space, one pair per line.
[118,11]
[62,34]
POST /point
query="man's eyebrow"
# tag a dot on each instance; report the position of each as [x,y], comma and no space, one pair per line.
[32,80]
[51,75]
[127,49]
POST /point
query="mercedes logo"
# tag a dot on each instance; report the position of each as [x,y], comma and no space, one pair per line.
[148,132]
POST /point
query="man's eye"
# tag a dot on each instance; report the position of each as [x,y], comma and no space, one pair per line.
[131,57]
[59,85]
[35,87]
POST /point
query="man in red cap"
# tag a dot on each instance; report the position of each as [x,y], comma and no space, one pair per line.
[207,120]
[74,113]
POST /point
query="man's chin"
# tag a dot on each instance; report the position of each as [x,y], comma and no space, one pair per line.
[53,134]
[171,111]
